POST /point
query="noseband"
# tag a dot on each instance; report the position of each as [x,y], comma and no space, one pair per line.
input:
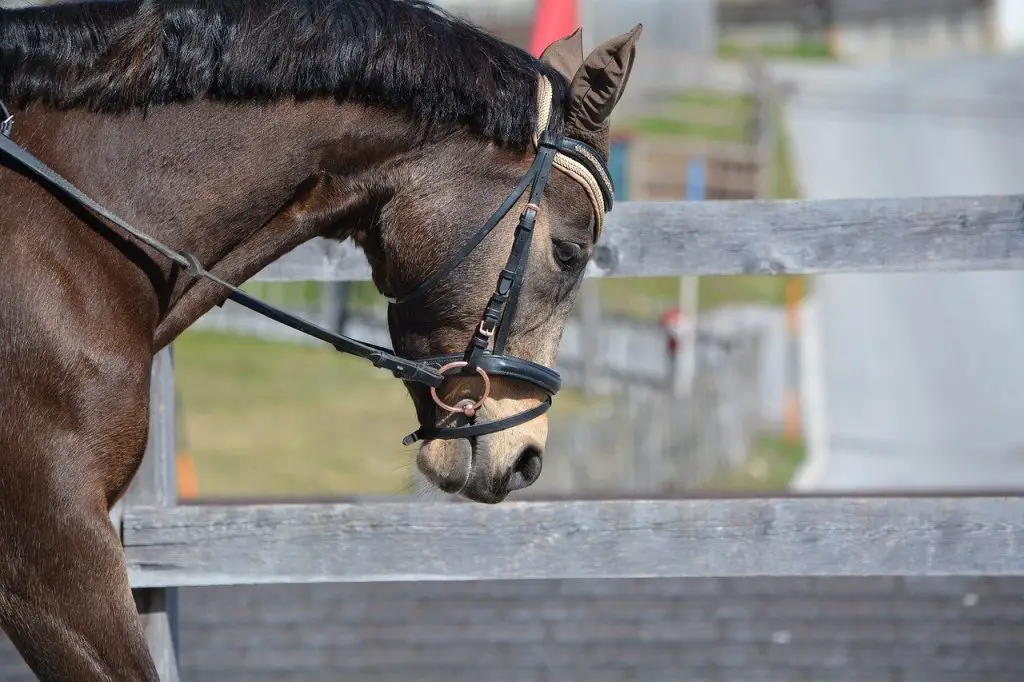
[577,159]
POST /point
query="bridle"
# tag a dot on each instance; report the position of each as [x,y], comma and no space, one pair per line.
[583,164]
[578,160]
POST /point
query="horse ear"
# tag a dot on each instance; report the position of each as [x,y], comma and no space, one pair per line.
[598,85]
[565,55]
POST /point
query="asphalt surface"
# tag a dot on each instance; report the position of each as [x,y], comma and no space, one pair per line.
[914,380]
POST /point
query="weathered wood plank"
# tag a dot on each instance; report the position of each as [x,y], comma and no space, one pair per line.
[648,239]
[154,486]
[155,605]
[290,543]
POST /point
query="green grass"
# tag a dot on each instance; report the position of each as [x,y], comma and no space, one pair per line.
[646,298]
[679,121]
[813,50]
[364,296]
[271,419]
[263,418]
[665,125]
[307,294]
[286,293]
[770,468]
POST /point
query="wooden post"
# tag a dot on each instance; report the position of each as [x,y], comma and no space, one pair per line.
[792,407]
[685,365]
[590,334]
[764,126]
[154,486]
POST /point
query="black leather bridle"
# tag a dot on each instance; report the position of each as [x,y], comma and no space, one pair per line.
[494,325]
[500,312]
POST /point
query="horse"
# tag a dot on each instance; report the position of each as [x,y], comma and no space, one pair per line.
[156,154]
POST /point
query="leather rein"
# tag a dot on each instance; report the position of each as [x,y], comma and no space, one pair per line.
[577,159]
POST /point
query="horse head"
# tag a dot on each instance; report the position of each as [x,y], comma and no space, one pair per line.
[481,250]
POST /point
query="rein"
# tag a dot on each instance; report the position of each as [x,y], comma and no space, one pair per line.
[6,121]
[575,158]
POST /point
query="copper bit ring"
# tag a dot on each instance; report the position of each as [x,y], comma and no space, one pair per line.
[465,406]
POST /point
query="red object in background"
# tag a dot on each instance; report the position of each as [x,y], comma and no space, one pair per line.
[671,321]
[553,20]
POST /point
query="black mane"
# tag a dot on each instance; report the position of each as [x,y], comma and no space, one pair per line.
[115,56]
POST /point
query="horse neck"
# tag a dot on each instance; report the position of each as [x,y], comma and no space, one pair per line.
[211,179]
[205,177]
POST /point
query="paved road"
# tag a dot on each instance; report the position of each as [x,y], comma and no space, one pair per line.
[922,374]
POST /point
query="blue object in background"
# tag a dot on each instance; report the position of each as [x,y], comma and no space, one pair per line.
[696,178]
[618,167]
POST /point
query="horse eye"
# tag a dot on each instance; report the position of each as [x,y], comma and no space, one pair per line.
[567,253]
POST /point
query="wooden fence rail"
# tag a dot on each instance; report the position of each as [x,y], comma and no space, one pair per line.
[169,546]
[670,239]
[298,543]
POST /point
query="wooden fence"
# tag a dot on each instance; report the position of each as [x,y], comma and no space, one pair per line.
[168,546]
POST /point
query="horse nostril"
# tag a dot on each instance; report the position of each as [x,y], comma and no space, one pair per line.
[527,468]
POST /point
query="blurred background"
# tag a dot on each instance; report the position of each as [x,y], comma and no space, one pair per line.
[262,414]
[677,387]
[717,383]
